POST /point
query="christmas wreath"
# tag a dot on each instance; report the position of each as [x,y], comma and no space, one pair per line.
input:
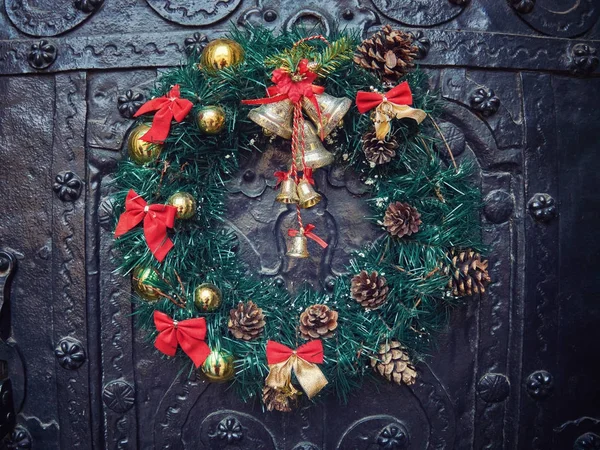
[329,99]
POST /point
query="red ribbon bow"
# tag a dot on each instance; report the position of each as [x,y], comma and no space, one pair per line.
[309,234]
[311,352]
[399,95]
[167,108]
[281,176]
[188,334]
[156,220]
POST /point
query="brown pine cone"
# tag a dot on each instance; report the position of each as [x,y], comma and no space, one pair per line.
[389,53]
[247,321]
[468,273]
[376,151]
[278,399]
[401,219]
[369,290]
[318,322]
[392,362]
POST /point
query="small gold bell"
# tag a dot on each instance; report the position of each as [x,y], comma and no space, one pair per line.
[332,110]
[288,193]
[274,117]
[298,247]
[307,195]
[315,154]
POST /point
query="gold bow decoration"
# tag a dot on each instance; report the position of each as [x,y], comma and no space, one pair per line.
[303,362]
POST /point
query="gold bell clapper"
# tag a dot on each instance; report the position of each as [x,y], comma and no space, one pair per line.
[274,118]
[333,109]
[315,153]
[307,196]
[288,193]
[298,247]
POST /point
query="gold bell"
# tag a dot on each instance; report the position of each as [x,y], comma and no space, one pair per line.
[298,247]
[332,110]
[307,195]
[274,117]
[288,193]
[315,154]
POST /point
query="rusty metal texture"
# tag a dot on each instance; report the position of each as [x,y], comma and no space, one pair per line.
[519,80]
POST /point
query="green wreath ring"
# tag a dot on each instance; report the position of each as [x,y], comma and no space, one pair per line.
[325,99]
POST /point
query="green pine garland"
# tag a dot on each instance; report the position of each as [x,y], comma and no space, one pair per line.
[201,165]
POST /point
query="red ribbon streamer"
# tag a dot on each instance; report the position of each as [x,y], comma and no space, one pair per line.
[309,234]
[308,175]
[399,95]
[167,108]
[188,334]
[157,218]
[311,352]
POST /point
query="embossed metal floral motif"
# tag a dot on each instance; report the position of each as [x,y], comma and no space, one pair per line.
[118,395]
[42,54]
[392,437]
[522,6]
[195,43]
[67,185]
[106,213]
[421,42]
[70,353]
[88,6]
[20,439]
[229,429]
[460,2]
[542,207]
[129,103]
[485,102]
[587,441]
[583,59]
[540,384]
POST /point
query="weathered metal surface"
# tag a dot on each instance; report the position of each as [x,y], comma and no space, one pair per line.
[519,80]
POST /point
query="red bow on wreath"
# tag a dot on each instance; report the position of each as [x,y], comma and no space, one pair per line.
[393,104]
[167,108]
[307,231]
[188,334]
[303,361]
[157,218]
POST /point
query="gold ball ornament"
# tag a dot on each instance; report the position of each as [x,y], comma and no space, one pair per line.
[221,53]
[207,297]
[218,366]
[141,277]
[142,152]
[211,119]
[185,204]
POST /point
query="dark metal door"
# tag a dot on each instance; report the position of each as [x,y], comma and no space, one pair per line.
[515,369]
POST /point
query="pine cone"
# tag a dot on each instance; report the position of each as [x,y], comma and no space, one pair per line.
[318,322]
[369,290]
[247,321]
[393,363]
[278,399]
[468,273]
[401,219]
[389,53]
[376,151]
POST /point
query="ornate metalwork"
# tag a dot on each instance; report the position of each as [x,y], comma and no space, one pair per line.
[584,59]
[67,186]
[195,43]
[88,6]
[70,353]
[118,395]
[542,207]
[485,102]
[499,206]
[229,430]
[522,6]
[540,384]
[19,439]
[393,437]
[422,43]
[587,441]
[129,103]
[493,387]
[42,54]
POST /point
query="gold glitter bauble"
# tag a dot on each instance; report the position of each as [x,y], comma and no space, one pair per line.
[207,297]
[185,204]
[218,367]
[221,53]
[141,277]
[142,152]
[211,119]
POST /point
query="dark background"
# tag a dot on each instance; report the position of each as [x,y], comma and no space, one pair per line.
[516,368]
